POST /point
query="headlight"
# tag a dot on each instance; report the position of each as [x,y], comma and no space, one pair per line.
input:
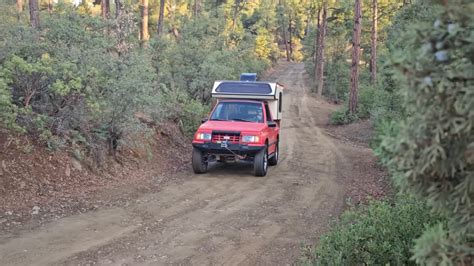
[250,139]
[203,136]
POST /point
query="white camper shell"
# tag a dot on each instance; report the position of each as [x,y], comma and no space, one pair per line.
[270,92]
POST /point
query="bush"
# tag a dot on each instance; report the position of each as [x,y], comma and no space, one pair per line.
[201,57]
[77,85]
[178,106]
[381,233]
[432,155]
[7,109]
[369,100]
[342,117]
[336,79]
[82,82]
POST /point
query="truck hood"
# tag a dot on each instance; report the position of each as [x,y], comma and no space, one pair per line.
[232,126]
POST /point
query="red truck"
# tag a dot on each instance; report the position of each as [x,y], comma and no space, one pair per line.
[243,126]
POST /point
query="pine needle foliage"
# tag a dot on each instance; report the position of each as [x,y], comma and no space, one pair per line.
[432,156]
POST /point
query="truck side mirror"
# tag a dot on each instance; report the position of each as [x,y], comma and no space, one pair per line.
[271,124]
[204,120]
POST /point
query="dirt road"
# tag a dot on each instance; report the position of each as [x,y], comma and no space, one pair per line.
[227,216]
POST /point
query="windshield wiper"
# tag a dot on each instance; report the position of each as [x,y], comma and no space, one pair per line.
[241,120]
[217,119]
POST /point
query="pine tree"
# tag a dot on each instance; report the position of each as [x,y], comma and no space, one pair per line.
[161,18]
[144,36]
[355,57]
[19,8]
[34,14]
[320,50]
[118,8]
[105,8]
[373,52]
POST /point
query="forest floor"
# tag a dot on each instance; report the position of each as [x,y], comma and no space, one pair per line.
[226,216]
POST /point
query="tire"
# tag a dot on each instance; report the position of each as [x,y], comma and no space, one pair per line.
[199,162]
[274,160]
[260,163]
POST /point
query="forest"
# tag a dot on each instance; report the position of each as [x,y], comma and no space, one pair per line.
[80,75]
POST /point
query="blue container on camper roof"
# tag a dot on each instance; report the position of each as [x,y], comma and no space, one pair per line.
[248,77]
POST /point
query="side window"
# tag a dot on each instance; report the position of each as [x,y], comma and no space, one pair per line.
[217,114]
[280,102]
[269,115]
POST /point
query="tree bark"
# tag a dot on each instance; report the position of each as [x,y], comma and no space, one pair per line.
[373,54]
[290,39]
[287,49]
[320,51]
[50,7]
[34,14]
[118,8]
[236,12]
[353,102]
[316,36]
[19,9]
[105,8]
[197,7]
[161,17]
[144,36]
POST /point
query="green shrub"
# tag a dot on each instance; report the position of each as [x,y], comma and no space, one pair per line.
[342,117]
[177,106]
[381,233]
[7,109]
[368,99]
[336,79]
[432,155]
[79,81]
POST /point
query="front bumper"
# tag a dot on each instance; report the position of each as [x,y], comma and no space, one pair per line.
[237,148]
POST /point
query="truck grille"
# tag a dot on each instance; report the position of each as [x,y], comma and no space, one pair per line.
[231,137]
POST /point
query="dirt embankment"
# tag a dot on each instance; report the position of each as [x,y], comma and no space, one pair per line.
[42,185]
[226,216]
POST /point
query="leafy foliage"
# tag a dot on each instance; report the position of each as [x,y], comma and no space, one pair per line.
[375,103]
[381,233]
[200,57]
[422,112]
[77,83]
[432,154]
[80,80]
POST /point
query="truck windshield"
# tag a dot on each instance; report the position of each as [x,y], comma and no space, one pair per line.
[238,111]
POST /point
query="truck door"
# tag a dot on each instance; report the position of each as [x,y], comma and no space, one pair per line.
[272,131]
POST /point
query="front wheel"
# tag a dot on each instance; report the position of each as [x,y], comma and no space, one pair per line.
[260,163]
[274,159]
[199,162]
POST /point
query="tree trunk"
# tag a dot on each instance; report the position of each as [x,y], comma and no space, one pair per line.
[236,13]
[50,7]
[373,54]
[144,36]
[19,9]
[355,58]
[197,7]
[287,49]
[316,36]
[118,8]
[290,39]
[320,51]
[161,17]
[105,8]
[34,14]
